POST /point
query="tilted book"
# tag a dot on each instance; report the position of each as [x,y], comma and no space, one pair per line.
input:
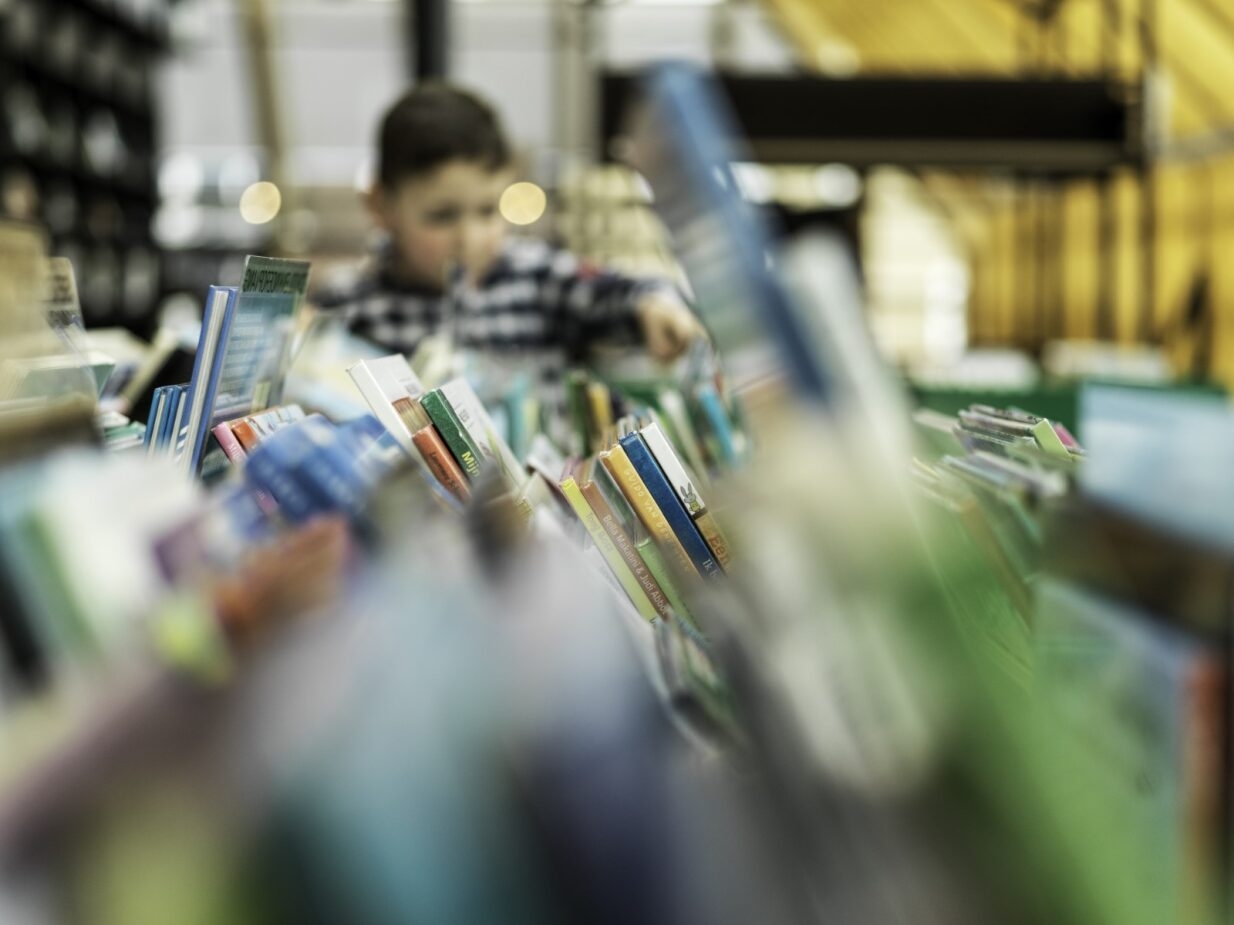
[608,550]
[479,425]
[452,432]
[631,484]
[441,462]
[608,520]
[383,382]
[208,370]
[674,512]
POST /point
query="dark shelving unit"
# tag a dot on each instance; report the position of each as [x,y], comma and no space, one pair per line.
[78,142]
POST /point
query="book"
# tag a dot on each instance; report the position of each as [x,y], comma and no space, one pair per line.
[253,351]
[717,419]
[674,512]
[680,480]
[645,508]
[441,462]
[612,556]
[452,432]
[608,520]
[484,433]
[228,442]
[650,554]
[384,383]
[216,318]
[677,416]
[245,433]
[155,419]
[714,537]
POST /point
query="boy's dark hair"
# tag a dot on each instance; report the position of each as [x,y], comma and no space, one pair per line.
[434,123]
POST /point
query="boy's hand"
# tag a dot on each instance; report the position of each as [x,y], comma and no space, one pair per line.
[668,326]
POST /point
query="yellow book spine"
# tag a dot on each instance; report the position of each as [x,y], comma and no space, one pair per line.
[631,485]
[714,538]
[605,544]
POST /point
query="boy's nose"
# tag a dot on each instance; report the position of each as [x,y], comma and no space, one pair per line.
[470,244]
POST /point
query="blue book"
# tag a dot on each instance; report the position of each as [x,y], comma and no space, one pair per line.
[309,470]
[670,505]
[207,368]
[331,469]
[273,468]
[717,418]
[175,393]
[158,398]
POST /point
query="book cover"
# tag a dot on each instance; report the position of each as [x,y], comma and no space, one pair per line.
[484,433]
[156,413]
[651,555]
[175,444]
[608,550]
[717,419]
[308,470]
[245,433]
[175,394]
[383,382]
[714,538]
[254,352]
[608,520]
[440,461]
[228,442]
[644,506]
[220,303]
[452,432]
[663,495]
[680,480]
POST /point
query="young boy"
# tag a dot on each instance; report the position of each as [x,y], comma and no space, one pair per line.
[443,165]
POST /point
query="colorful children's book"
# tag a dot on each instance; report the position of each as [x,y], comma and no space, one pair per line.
[452,431]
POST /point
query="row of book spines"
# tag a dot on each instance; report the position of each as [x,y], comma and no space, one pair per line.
[639,569]
[442,442]
[642,558]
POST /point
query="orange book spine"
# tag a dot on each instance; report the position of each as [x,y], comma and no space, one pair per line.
[613,528]
[246,434]
[440,462]
[712,536]
[631,485]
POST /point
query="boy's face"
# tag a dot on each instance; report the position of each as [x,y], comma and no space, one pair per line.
[444,217]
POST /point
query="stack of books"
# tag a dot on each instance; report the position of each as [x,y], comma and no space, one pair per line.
[994,473]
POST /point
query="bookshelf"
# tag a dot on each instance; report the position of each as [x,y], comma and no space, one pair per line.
[78,142]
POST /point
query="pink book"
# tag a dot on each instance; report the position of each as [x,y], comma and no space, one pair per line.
[227,440]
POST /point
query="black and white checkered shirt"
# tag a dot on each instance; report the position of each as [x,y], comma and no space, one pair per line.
[536,303]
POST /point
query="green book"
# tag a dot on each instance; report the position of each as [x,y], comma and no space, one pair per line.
[580,421]
[659,571]
[608,550]
[452,432]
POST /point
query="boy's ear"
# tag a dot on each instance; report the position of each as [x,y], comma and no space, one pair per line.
[375,201]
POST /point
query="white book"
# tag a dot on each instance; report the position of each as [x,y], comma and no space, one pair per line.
[674,471]
[674,408]
[382,382]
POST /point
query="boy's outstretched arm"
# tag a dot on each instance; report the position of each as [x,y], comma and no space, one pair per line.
[595,305]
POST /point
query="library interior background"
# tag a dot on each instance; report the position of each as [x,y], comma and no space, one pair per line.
[800,514]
